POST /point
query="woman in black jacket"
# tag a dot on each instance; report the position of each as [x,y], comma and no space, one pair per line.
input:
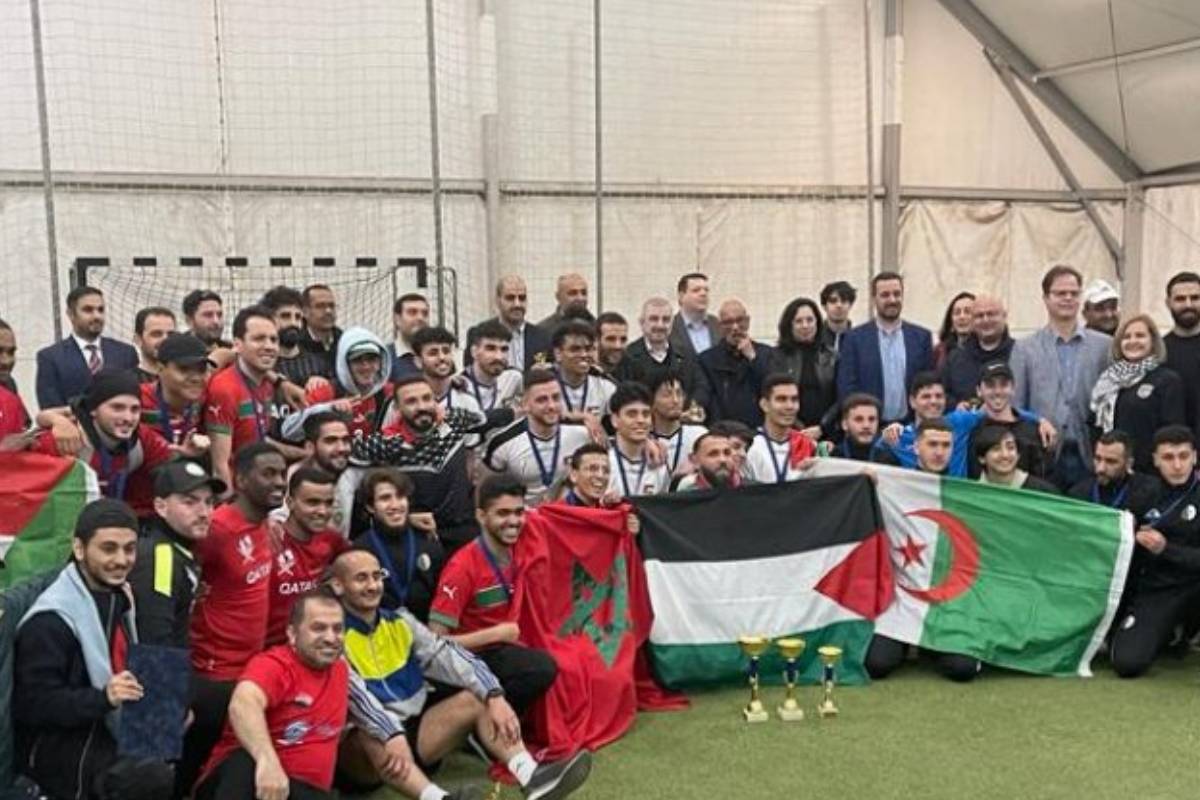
[1137,394]
[802,354]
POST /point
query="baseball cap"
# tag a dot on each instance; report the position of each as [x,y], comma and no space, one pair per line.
[360,349]
[994,371]
[1099,291]
[183,349]
[181,477]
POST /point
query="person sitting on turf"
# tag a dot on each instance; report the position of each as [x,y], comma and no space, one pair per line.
[712,461]
[935,441]
[779,450]
[70,678]
[288,711]
[122,450]
[398,653]
[473,603]
[413,559]
[1167,585]
[1113,482]
[995,449]
[165,575]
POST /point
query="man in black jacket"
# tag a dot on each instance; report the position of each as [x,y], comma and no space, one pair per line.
[70,675]
[165,575]
[653,354]
[989,342]
[1113,482]
[1167,575]
[733,369]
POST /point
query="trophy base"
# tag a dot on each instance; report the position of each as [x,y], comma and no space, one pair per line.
[790,714]
[827,710]
[755,714]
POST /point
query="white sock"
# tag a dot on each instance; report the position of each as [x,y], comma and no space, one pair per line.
[433,792]
[521,766]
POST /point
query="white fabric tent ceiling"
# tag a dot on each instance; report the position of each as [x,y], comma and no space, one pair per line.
[1131,66]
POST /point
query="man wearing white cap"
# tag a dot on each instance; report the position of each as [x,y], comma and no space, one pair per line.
[1101,307]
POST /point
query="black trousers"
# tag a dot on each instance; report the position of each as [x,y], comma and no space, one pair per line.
[884,655]
[233,779]
[135,779]
[210,706]
[1147,626]
[525,673]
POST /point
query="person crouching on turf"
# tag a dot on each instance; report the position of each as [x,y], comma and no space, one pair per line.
[395,654]
[473,602]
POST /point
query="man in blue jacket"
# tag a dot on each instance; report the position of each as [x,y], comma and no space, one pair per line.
[882,356]
[64,369]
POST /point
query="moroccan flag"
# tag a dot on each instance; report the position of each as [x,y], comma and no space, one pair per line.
[581,596]
[40,497]
[805,558]
[1019,579]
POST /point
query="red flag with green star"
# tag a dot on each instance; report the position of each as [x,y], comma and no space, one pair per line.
[581,595]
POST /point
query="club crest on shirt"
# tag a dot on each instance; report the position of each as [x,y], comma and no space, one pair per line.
[286,562]
[295,733]
[245,548]
[1144,391]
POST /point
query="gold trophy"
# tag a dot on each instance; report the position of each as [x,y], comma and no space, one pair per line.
[754,647]
[829,657]
[791,649]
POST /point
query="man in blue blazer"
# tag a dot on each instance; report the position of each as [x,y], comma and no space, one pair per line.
[65,369]
[882,356]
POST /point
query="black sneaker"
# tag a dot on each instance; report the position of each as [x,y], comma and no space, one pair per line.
[557,779]
[468,792]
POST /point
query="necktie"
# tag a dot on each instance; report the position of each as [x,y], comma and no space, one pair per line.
[94,362]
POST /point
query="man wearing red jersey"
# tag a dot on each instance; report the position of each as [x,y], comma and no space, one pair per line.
[308,546]
[243,405]
[473,603]
[286,714]
[123,452]
[173,403]
[229,621]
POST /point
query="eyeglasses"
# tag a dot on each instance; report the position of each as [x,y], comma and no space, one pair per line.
[738,322]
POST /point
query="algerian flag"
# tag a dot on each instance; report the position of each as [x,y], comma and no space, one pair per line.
[804,558]
[40,499]
[1018,579]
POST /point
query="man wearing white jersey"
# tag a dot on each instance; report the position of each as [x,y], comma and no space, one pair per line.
[633,473]
[779,451]
[489,379]
[585,392]
[677,437]
[535,449]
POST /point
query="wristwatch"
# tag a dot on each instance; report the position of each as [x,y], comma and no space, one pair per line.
[493,693]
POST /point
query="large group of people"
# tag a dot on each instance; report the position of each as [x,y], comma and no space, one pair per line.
[326,519]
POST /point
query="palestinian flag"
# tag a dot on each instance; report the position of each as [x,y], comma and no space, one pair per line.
[580,594]
[40,497]
[1019,579]
[805,558]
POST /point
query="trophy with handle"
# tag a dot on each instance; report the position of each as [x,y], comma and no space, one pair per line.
[754,647]
[791,648]
[829,657]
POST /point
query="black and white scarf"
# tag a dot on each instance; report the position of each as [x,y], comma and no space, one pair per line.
[1119,375]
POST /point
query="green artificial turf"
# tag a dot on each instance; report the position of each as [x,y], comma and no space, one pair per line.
[917,736]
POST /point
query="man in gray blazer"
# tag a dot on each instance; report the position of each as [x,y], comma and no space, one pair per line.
[694,330]
[1055,368]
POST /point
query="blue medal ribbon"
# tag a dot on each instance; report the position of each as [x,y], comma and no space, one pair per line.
[114,482]
[1116,501]
[172,435]
[496,571]
[261,413]
[780,471]
[546,474]
[566,395]
[1156,517]
[410,561]
[621,471]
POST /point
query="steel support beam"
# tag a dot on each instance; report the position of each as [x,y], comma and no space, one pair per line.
[1118,60]
[1135,224]
[47,173]
[893,63]
[993,39]
[1010,83]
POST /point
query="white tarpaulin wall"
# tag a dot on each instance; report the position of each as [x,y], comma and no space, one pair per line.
[734,140]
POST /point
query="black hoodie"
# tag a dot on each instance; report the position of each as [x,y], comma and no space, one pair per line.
[965,364]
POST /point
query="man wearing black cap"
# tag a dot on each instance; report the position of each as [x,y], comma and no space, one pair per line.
[995,392]
[165,576]
[173,404]
[123,451]
[70,678]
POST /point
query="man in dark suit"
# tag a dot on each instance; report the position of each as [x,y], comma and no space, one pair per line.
[410,313]
[733,369]
[654,354]
[694,330]
[530,343]
[65,369]
[882,356]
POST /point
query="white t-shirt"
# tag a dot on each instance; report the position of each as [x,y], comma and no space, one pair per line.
[636,478]
[767,460]
[540,464]
[504,393]
[592,395]
[679,446]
